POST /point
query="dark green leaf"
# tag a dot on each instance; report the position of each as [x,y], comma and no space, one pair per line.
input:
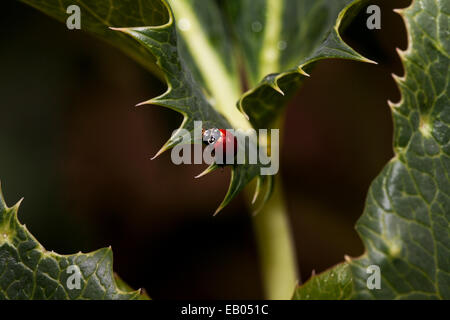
[280,41]
[186,96]
[405,225]
[29,271]
[197,61]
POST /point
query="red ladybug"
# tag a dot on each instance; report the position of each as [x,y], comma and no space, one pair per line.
[219,138]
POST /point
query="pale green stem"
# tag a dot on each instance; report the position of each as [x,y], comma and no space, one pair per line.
[276,247]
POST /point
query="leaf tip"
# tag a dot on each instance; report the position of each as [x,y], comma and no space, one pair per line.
[274,85]
[158,153]
[302,72]
[401,52]
[169,144]
[17,206]
[400,11]
[255,196]
[218,210]
[161,151]
[19,202]
[397,78]
[268,184]
[210,169]
[144,103]
[366,60]
[257,190]
[394,105]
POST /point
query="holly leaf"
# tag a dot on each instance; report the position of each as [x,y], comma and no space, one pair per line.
[193,90]
[405,224]
[195,58]
[281,40]
[333,284]
[29,271]
[188,97]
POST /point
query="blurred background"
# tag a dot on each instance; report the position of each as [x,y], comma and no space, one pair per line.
[76,149]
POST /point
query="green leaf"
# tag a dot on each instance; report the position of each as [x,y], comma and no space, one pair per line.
[281,40]
[185,61]
[186,96]
[334,284]
[28,271]
[405,225]
[197,61]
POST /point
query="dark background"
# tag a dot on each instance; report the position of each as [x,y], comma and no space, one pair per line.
[74,146]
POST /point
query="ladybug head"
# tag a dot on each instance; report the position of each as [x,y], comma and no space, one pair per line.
[211,136]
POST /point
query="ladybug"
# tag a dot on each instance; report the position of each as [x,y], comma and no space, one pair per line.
[219,138]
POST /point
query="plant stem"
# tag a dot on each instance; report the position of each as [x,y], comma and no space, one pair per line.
[276,248]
